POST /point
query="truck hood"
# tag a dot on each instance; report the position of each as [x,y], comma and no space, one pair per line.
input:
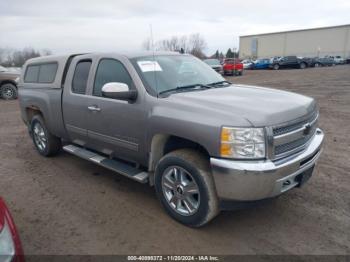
[9,75]
[257,105]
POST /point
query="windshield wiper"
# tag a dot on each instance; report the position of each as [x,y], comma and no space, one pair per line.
[179,88]
[220,83]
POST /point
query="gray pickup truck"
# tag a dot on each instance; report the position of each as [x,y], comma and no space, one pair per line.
[169,120]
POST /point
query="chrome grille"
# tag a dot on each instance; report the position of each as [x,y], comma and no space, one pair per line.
[294,137]
[289,128]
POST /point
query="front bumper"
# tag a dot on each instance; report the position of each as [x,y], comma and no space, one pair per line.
[256,180]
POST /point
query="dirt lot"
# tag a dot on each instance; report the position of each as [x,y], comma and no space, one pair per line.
[65,205]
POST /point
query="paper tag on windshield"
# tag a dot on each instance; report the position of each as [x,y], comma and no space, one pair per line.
[149,66]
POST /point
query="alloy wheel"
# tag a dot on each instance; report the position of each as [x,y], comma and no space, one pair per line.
[7,92]
[39,136]
[180,190]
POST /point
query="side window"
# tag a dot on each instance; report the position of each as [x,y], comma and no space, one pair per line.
[47,73]
[32,74]
[110,70]
[80,77]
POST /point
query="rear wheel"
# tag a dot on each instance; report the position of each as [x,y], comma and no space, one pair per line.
[317,64]
[302,65]
[46,143]
[8,91]
[185,187]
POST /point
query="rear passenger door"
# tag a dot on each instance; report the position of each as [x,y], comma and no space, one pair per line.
[75,99]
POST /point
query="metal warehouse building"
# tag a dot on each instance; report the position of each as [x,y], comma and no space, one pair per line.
[314,42]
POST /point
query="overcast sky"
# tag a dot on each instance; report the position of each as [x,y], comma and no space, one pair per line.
[114,25]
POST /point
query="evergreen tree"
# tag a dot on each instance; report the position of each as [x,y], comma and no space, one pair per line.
[229,53]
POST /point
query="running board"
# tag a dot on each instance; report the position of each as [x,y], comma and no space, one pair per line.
[114,165]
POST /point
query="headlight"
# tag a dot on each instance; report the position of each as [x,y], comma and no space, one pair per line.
[7,247]
[246,143]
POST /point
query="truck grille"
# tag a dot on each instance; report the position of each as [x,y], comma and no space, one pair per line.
[289,128]
[292,138]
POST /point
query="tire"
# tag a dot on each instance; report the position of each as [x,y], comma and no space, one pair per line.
[240,73]
[183,177]
[46,143]
[317,65]
[302,65]
[276,66]
[8,91]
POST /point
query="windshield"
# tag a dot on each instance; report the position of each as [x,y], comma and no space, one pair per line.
[165,72]
[212,61]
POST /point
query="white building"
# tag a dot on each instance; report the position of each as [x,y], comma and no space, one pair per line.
[313,42]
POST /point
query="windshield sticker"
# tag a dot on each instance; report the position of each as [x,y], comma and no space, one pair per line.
[149,66]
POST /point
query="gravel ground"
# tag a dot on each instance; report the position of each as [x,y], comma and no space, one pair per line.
[65,205]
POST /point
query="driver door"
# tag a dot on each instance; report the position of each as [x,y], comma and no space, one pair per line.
[115,127]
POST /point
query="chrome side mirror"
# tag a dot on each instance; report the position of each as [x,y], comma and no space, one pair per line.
[119,91]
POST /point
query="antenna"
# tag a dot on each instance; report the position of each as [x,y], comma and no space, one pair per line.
[154,58]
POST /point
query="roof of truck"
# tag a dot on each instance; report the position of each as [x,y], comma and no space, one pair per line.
[126,54]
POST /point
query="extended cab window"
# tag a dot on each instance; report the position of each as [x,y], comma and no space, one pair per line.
[43,73]
[80,77]
[47,73]
[110,70]
[32,74]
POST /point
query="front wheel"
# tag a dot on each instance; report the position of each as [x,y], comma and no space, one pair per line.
[276,66]
[302,66]
[46,143]
[8,91]
[185,187]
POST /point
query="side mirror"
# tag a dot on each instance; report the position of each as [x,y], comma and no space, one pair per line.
[119,91]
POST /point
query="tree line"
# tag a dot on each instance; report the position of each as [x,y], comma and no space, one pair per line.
[193,44]
[16,58]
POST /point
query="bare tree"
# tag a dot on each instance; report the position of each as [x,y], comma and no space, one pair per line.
[197,45]
[194,44]
[10,57]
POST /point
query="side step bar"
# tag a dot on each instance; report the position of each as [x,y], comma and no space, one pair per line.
[114,165]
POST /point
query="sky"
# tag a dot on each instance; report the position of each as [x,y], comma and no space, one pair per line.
[67,26]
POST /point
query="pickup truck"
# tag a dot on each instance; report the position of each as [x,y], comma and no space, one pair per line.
[289,62]
[233,66]
[169,120]
[8,83]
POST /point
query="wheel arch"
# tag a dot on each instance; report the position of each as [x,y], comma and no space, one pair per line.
[164,143]
[30,112]
[3,82]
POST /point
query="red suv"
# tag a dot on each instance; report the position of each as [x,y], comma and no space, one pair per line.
[10,244]
[232,66]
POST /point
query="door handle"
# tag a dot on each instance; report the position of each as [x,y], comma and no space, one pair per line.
[94,108]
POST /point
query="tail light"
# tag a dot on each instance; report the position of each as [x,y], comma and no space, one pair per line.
[10,244]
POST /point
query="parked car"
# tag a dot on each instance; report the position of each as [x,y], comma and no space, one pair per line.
[261,64]
[338,59]
[289,62]
[10,243]
[247,64]
[215,64]
[8,83]
[233,66]
[322,61]
[275,58]
[203,142]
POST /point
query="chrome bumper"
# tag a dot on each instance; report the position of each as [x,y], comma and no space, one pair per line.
[256,180]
